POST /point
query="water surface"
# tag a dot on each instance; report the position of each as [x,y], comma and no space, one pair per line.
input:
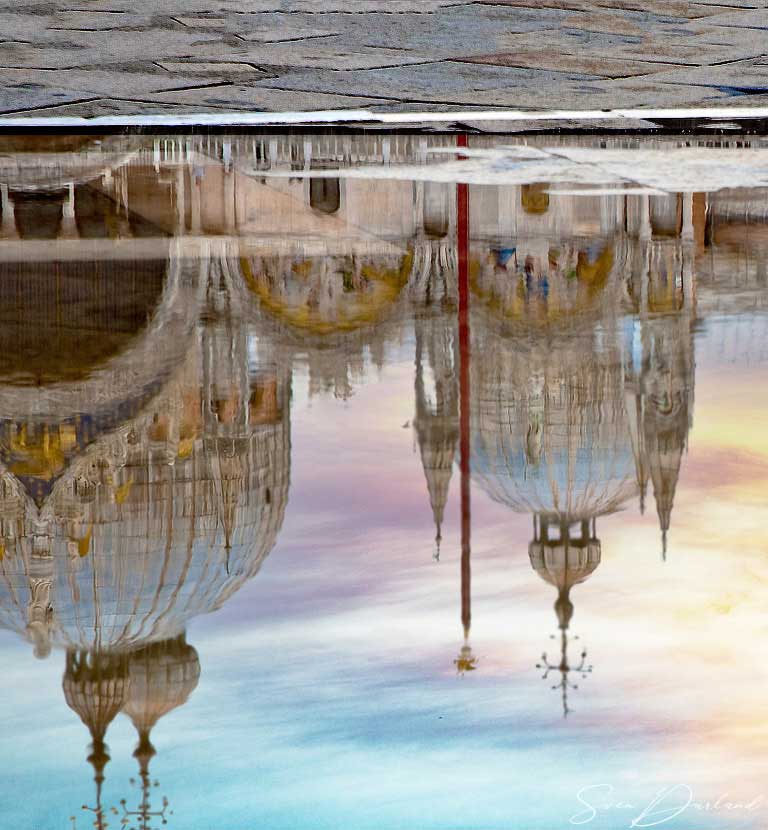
[383,482]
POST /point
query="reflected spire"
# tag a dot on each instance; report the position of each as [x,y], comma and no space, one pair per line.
[436,422]
[667,415]
[663,379]
[436,419]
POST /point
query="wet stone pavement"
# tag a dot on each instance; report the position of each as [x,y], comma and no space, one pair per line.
[115,57]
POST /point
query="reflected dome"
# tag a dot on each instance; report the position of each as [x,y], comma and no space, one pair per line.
[537,285]
[550,433]
[159,520]
[77,315]
[161,677]
[329,294]
[96,687]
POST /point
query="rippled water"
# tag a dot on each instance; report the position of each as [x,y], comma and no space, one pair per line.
[365,481]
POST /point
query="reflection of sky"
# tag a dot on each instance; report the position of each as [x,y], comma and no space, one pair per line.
[328,695]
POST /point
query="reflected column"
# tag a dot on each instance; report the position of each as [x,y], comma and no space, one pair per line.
[8,226]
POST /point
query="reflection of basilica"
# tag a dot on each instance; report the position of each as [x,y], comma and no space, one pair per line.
[120,531]
[585,387]
[157,297]
[579,400]
[145,444]
[581,389]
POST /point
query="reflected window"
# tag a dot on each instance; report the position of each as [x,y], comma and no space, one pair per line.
[534,198]
[325,195]
[436,210]
[666,214]
[225,409]
[264,407]
[39,215]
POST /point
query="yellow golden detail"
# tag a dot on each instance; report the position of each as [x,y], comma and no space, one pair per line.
[122,492]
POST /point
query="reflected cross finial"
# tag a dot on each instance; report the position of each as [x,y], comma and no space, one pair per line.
[565,669]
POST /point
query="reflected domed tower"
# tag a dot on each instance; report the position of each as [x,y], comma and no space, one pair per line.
[161,519]
[549,424]
[96,688]
[161,677]
[550,432]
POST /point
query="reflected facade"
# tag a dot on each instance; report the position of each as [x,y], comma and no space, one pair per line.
[162,298]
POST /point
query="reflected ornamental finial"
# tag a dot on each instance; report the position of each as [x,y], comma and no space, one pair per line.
[144,817]
[565,669]
[564,554]
[466,661]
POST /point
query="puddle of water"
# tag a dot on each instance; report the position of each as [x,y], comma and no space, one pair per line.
[383,481]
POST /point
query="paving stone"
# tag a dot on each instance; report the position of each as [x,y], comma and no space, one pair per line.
[743,76]
[646,92]
[254,99]
[25,95]
[733,4]
[744,101]
[746,19]
[285,32]
[329,53]
[202,22]
[603,94]
[677,52]
[107,83]
[219,68]
[99,107]
[438,81]
[94,21]
[549,59]
[736,39]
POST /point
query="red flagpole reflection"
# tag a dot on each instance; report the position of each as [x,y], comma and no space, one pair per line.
[462,203]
